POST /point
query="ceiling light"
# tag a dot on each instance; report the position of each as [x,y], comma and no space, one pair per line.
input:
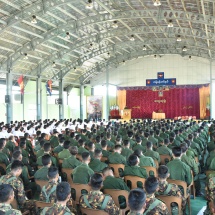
[157,3]
[184,49]
[144,48]
[179,38]
[53,65]
[67,36]
[132,37]
[75,69]
[170,25]
[91,46]
[26,56]
[123,62]
[190,58]
[89,4]
[108,54]
[155,56]
[34,19]
[115,25]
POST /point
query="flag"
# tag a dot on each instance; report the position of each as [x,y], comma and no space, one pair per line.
[21,84]
[49,87]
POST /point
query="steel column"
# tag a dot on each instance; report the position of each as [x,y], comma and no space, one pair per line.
[9,104]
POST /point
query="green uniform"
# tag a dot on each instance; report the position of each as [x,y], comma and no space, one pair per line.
[96,165]
[191,163]
[42,174]
[10,145]
[8,209]
[48,192]
[105,153]
[140,147]
[98,146]
[56,209]
[116,158]
[164,150]
[54,141]
[40,153]
[153,140]
[95,200]
[110,144]
[179,171]
[81,149]
[58,149]
[135,171]
[64,154]
[126,152]
[82,174]
[53,159]
[152,154]
[3,159]
[164,135]
[146,161]
[211,146]
[71,162]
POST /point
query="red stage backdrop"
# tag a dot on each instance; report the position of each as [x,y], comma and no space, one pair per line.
[175,102]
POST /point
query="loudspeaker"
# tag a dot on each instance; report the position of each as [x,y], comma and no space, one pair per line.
[7,99]
[58,101]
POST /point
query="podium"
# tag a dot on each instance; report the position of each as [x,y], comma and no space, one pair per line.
[158,115]
[126,114]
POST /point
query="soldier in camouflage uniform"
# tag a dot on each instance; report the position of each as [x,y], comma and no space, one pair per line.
[63,194]
[13,179]
[6,198]
[137,202]
[96,199]
[153,205]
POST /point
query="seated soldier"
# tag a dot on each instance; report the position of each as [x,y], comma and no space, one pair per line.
[40,152]
[96,199]
[65,152]
[116,157]
[83,172]
[126,151]
[11,143]
[59,148]
[13,179]
[96,165]
[105,152]
[48,193]
[110,144]
[42,173]
[138,145]
[3,157]
[164,150]
[47,150]
[71,162]
[91,148]
[144,160]
[81,148]
[54,139]
[98,142]
[6,198]
[179,170]
[168,189]
[153,205]
[63,194]
[150,153]
[137,201]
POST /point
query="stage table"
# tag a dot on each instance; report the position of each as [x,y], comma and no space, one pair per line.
[158,115]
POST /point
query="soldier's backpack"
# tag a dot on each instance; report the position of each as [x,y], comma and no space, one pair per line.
[104,204]
[49,194]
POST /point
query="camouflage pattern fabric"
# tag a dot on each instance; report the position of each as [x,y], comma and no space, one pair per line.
[8,209]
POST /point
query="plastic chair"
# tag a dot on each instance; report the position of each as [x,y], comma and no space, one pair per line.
[150,169]
[68,173]
[90,211]
[78,188]
[156,163]
[183,184]
[41,183]
[103,159]
[163,158]
[3,166]
[116,168]
[40,204]
[192,186]
[134,180]
[115,195]
[170,199]
[79,157]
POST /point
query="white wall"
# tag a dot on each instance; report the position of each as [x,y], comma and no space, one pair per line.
[135,72]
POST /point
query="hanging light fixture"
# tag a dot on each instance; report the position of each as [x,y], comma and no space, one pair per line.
[155,57]
[67,36]
[115,25]
[184,49]
[132,37]
[89,5]
[157,3]
[190,58]
[75,69]
[34,19]
[26,56]
[108,54]
[91,46]
[170,25]
[53,65]
[123,62]
[179,38]
[144,48]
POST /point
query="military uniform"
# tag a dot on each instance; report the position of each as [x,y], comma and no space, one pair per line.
[179,171]
[42,174]
[81,149]
[140,147]
[48,193]
[9,210]
[134,213]
[155,206]
[3,159]
[152,154]
[58,149]
[53,159]
[54,141]
[96,165]
[56,209]
[96,198]
[64,154]
[10,145]
[110,144]
[126,152]
[71,162]
[116,158]
[135,171]
[211,187]
[40,153]
[191,163]
[105,153]
[82,174]
[164,150]
[146,161]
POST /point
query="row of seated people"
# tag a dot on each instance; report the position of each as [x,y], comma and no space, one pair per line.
[116,156]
